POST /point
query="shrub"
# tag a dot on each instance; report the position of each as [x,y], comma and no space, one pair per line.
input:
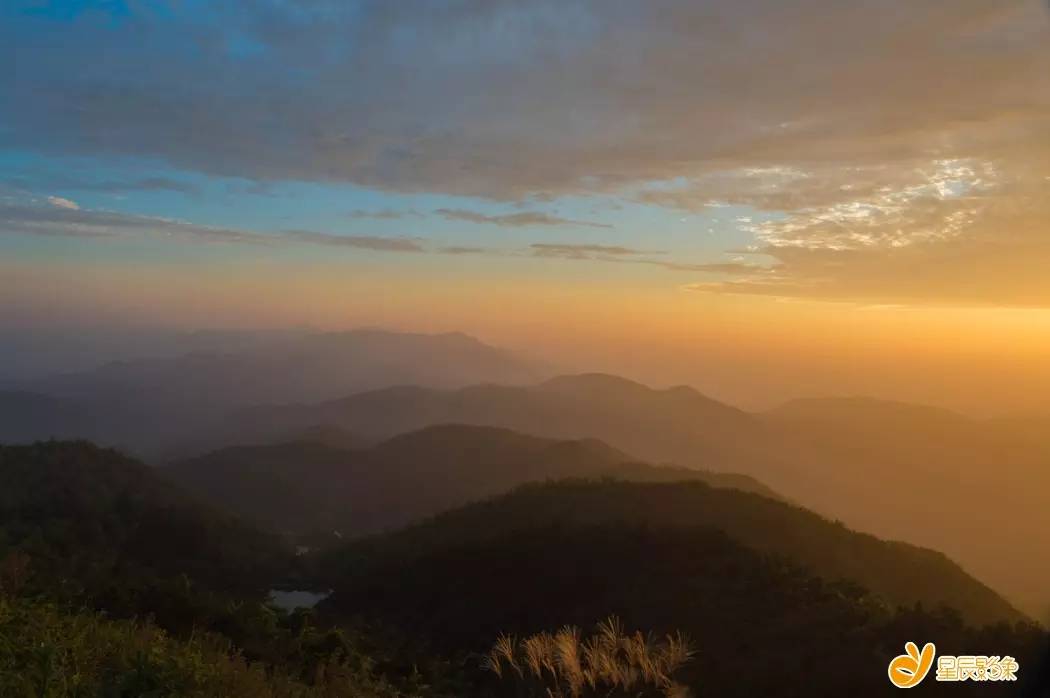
[46,653]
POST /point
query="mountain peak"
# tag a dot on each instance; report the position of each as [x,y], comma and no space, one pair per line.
[594,383]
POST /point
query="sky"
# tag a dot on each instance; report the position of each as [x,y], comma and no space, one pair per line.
[762,199]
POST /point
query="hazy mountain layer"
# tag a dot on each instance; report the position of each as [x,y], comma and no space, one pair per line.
[153,405]
[304,487]
[974,489]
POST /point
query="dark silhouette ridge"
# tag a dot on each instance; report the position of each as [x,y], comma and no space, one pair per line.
[726,568]
[102,529]
[306,488]
[901,573]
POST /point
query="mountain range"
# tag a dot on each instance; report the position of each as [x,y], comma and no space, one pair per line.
[974,489]
[150,405]
[305,487]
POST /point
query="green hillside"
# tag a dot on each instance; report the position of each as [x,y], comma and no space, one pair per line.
[98,528]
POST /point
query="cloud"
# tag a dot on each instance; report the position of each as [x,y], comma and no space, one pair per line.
[725,268]
[383,215]
[60,220]
[148,184]
[59,202]
[957,233]
[501,100]
[515,220]
[891,149]
[145,184]
[34,180]
[364,242]
[121,186]
[30,217]
[625,255]
[460,249]
[570,251]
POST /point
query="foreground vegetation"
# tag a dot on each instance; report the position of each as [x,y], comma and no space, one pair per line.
[115,583]
[47,653]
[609,663]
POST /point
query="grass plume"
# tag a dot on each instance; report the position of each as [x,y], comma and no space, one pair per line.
[610,662]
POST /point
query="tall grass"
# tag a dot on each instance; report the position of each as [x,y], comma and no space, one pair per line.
[609,662]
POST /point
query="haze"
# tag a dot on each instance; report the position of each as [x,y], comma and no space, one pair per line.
[468,321]
[760,202]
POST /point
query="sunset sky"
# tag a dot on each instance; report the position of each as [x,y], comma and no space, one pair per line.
[761,200]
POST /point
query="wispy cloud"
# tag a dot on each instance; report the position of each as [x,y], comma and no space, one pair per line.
[122,186]
[724,268]
[952,232]
[42,180]
[459,249]
[584,251]
[55,217]
[615,254]
[364,242]
[62,218]
[514,220]
[59,202]
[386,214]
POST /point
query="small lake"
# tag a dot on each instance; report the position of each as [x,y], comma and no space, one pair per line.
[291,600]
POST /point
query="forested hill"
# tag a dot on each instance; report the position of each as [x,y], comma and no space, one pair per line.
[304,486]
[900,573]
[757,586]
[97,527]
[760,625]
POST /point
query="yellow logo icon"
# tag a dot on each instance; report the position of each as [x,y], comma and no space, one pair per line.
[909,669]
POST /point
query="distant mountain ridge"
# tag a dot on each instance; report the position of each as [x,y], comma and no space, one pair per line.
[627,415]
[835,456]
[27,416]
[311,368]
[150,406]
[303,487]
